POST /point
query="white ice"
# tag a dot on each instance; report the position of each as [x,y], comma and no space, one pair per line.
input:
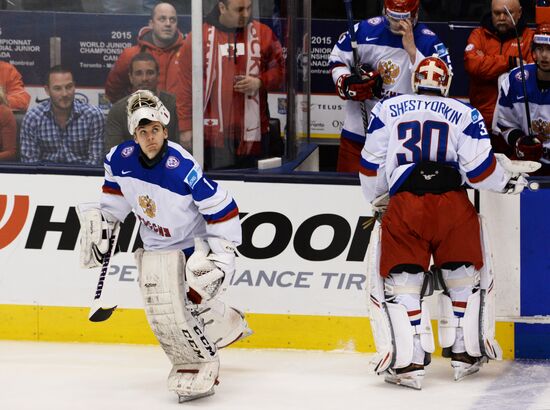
[43,376]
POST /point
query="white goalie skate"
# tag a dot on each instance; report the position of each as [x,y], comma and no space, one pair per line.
[410,376]
[464,365]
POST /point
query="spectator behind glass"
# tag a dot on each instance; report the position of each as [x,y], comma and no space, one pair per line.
[8,130]
[236,80]
[162,40]
[491,51]
[62,129]
[14,90]
[143,75]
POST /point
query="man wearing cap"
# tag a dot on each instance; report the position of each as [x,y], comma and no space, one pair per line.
[190,228]
[510,119]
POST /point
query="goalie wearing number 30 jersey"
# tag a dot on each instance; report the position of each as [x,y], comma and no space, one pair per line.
[420,150]
[190,228]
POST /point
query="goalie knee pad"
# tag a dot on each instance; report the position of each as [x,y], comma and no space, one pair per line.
[224,324]
[173,319]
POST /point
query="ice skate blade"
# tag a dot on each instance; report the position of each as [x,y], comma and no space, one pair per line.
[412,380]
[183,398]
[461,369]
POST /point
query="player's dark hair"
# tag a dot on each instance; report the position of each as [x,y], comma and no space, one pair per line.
[57,69]
[144,56]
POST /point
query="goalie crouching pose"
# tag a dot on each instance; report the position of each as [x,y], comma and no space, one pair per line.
[420,150]
[189,227]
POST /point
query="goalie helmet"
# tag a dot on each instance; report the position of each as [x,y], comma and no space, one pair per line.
[402,9]
[433,75]
[143,104]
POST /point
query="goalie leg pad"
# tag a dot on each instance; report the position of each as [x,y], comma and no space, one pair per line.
[398,343]
[224,325]
[175,321]
[193,381]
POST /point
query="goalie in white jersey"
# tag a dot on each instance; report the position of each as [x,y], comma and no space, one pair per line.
[388,48]
[420,150]
[189,227]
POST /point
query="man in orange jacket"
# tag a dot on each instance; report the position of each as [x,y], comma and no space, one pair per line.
[492,50]
[162,40]
[12,85]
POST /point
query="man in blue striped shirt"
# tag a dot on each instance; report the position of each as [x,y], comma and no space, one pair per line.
[62,129]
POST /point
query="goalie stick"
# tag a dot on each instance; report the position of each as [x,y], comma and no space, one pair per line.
[357,68]
[99,312]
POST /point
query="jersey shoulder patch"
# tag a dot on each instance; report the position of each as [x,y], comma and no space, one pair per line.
[193,176]
[475,115]
[375,21]
[428,32]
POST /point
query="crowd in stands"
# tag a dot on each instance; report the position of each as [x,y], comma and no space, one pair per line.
[237,79]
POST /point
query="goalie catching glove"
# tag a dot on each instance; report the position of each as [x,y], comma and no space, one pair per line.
[96,228]
[516,171]
[210,267]
[360,86]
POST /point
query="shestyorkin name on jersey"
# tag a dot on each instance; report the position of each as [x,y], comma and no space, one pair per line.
[436,106]
[155,228]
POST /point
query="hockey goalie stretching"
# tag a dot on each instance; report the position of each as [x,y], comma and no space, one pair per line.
[420,150]
[189,227]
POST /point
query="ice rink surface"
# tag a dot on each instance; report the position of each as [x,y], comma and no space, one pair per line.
[44,376]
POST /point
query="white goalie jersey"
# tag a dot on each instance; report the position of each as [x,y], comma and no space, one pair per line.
[174,201]
[407,129]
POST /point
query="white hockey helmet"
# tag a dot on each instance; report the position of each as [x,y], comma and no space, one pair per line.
[432,75]
[143,104]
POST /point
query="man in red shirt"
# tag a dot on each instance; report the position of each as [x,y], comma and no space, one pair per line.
[243,60]
[491,51]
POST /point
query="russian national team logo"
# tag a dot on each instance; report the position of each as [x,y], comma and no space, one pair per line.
[126,152]
[148,205]
[541,128]
[11,223]
[172,162]
[389,71]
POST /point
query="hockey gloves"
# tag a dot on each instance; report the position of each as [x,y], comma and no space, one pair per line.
[528,148]
[360,86]
[96,229]
[210,267]
[516,171]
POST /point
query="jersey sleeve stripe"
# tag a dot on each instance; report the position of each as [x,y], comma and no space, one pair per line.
[484,170]
[368,168]
[111,190]
[474,131]
[375,124]
[230,211]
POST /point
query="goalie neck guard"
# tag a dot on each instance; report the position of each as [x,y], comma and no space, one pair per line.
[432,75]
[143,104]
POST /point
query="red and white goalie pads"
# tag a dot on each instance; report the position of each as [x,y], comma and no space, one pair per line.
[391,327]
[96,228]
[480,311]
